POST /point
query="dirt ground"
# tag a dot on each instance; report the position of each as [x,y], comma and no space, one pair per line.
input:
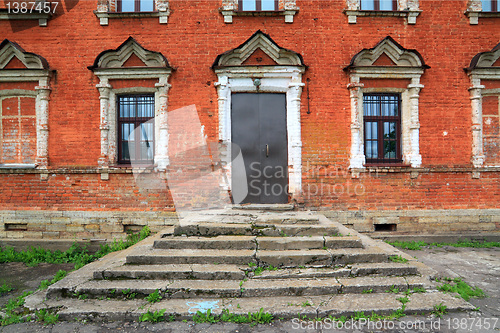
[478,267]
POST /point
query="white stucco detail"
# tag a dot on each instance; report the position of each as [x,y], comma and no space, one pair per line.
[109,67]
[277,79]
[407,65]
[405,8]
[481,68]
[37,70]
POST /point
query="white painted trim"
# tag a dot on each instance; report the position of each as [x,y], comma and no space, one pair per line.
[108,123]
[42,92]
[277,79]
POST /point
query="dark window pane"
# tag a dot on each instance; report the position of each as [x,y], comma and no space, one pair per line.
[390,149]
[136,128]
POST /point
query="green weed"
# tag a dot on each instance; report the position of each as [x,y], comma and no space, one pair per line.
[398,259]
[439,310]
[46,317]
[154,297]
[460,287]
[5,288]
[155,316]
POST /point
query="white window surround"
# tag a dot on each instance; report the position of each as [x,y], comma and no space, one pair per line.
[481,68]
[406,8]
[475,11]
[104,12]
[109,66]
[37,70]
[285,77]
[409,65]
[288,8]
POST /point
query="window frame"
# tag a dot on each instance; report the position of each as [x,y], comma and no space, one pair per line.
[137,7]
[380,120]
[376,5]
[258,6]
[137,122]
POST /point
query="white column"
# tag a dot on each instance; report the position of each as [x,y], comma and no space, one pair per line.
[104,90]
[476,100]
[294,136]
[224,102]
[413,155]
[42,126]
[357,147]
[161,156]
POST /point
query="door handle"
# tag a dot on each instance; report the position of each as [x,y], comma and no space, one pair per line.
[267,150]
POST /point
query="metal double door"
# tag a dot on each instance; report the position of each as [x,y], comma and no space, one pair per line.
[258,127]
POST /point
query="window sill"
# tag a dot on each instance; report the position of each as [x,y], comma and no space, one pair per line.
[42,18]
[228,14]
[105,16]
[411,15]
[17,166]
[474,16]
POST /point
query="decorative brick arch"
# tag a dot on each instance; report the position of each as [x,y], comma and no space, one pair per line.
[483,66]
[387,60]
[237,71]
[128,62]
[17,65]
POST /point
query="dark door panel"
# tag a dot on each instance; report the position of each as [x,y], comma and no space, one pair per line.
[258,126]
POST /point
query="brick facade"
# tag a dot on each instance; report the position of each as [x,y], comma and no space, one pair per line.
[196,33]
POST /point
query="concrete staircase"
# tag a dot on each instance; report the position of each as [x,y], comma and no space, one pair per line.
[285,262]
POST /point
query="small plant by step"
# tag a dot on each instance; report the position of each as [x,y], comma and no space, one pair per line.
[156,316]
[398,259]
[259,317]
[5,288]
[457,285]
[46,317]
[154,297]
[439,310]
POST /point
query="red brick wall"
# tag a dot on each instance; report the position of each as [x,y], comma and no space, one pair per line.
[195,35]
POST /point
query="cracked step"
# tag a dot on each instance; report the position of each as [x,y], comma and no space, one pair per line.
[384,268]
[170,272]
[192,256]
[290,287]
[215,243]
[376,284]
[322,258]
[280,307]
[211,229]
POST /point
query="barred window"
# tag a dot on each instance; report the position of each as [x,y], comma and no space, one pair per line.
[136,128]
[382,128]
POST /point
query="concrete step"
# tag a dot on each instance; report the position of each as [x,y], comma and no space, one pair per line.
[280,307]
[211,229]
[192,256]
[242,288]
[383,269]
[265,207]
[171,272]
[217,242]
[322,258]
[254,242]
